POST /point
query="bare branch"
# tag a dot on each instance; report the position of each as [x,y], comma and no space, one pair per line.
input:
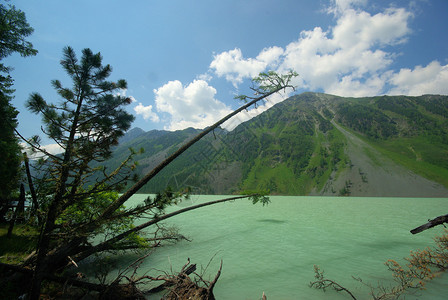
[440,220]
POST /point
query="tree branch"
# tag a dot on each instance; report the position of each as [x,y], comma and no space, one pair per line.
[106,244]
[137,186]
[431,223]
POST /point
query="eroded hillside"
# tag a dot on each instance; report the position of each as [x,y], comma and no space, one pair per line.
[313,144]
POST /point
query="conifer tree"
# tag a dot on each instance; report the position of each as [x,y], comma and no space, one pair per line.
[14,29]
[86,123]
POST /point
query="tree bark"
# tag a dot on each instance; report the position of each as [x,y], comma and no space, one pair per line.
[19,211]
[47,258]
[53,209]
[31,187]
[440,220]
[137,186]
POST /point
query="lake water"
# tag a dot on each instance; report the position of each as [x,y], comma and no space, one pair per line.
[273,248]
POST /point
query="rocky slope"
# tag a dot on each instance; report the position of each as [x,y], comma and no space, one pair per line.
[312,144]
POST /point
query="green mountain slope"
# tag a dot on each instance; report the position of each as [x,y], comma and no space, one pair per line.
[314,144]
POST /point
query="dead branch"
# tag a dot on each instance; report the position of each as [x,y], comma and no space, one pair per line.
[169,280]
[323,283]
[182,287]
[212,284]
[440,220]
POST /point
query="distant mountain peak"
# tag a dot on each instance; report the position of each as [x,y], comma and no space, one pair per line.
[131,134]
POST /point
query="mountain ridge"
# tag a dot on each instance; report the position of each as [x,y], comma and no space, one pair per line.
[311,144]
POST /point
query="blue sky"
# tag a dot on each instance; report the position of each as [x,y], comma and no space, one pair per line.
[185,60]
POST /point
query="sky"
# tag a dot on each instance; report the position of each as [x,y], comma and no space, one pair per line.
[184,61]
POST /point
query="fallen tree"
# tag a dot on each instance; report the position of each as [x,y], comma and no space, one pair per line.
[86,124]
[179,286]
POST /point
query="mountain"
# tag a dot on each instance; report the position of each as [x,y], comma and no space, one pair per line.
[311,144]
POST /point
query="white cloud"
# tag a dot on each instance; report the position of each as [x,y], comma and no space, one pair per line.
[270,56]
[53,148]
[123,92]
[50,148]
[347,59]
[357,88]
[432,79]
[146,112]
[246,115]
[340,6]
[193,105]
[361,30]
[235,68]
[205,77]
[351,58]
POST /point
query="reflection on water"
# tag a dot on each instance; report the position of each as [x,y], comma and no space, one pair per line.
[273,248]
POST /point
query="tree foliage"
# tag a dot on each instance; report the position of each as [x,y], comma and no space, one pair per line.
[13,32]
[14,29]
[267,83]
[86,123]
[10,149]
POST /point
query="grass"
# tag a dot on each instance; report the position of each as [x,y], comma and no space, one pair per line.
[328,156]
[334,160]
[419,154]
[22,242]
[263,177]
[13,250]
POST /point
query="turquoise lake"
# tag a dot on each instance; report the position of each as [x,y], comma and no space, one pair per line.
[273,248]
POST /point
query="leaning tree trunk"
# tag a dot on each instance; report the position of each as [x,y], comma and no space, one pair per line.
[42,263]
[84,230]
[31,188]
[440,220]
[48,259]
[19,211]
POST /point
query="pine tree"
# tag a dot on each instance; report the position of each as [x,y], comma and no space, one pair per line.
[10,149]
[85,124]
[13,31]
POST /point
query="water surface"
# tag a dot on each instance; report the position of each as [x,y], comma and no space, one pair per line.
[273,248]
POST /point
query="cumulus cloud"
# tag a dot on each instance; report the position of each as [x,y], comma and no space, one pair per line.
[351,58]
[348,59]
[235,67]
[431,79]
[193,105]
[350,53]
[146,112]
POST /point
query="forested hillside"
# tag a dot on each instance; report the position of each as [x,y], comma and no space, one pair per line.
[311,144]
